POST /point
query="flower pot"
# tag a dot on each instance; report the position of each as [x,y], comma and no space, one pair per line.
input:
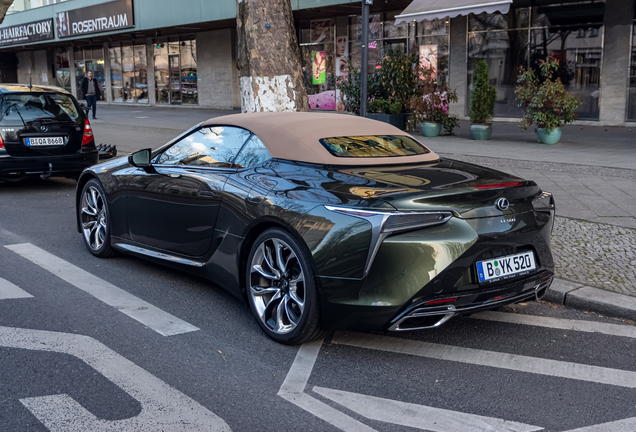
[397,120]
[430,129]
[480,132]
[549,138]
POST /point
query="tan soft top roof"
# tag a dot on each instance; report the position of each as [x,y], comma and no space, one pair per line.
[295,135]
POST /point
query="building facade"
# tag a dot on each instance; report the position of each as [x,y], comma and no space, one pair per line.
[183,53]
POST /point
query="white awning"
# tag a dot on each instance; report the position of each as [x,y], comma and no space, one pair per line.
[421,10]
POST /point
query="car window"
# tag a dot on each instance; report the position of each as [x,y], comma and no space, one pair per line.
[252,154]
[209,147]
[373,146]
[28,107]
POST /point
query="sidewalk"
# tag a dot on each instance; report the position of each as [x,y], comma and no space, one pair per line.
[591,172]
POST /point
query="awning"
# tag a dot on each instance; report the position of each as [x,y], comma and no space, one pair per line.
[421,10]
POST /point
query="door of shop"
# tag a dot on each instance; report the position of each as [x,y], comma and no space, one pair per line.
[174,69]
[81,69]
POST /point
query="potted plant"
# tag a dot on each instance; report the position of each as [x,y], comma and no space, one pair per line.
[390,87]
[482,103]
[430,107]
[386,111]
[547,103]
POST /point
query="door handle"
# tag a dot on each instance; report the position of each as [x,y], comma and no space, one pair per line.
[205,193]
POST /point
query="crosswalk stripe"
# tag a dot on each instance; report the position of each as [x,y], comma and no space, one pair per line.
[419,416]
[520,363]
[158,320]
[11,291]
[559,323]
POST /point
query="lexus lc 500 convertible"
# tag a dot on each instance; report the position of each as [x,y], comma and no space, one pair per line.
[324,221]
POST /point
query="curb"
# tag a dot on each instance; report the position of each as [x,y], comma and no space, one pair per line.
[579,296]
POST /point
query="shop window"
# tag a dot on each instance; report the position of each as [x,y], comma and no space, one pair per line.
[129,73]
[176,73]
[89,59]
[318,47]
[524,36]
[62,69]
[433,45]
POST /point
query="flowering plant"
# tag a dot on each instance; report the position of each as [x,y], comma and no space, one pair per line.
[433,105]
[548,104]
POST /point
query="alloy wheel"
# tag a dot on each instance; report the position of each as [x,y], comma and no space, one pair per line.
[277,286]
[93,217]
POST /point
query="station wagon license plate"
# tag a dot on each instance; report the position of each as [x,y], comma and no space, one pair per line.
[46,141]
[505,267]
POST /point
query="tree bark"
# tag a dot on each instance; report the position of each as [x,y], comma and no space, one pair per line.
[270,72]
[4,5]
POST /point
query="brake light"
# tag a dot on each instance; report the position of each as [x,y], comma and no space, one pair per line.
[498,185]
[1,143]
[88,133]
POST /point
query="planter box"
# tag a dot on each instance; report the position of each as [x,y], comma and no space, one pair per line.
[397,120]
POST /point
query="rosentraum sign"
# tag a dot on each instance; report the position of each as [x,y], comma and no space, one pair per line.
[25,33]
[103,17]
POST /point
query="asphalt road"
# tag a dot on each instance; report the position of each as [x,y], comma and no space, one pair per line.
[83,346]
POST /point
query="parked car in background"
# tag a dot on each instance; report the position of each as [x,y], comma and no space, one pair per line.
[324,221]
[43,132]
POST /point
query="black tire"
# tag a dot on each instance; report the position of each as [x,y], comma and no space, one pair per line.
[96,235]
[307,327]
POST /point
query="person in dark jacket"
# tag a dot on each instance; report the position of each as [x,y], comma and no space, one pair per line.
[90,91]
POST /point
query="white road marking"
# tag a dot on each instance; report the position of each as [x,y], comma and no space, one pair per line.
[163,407]
[514,362]
[294,386]
[626,425]
[559,323]
[158,320]
[11,291]
[419,416]
[142,117]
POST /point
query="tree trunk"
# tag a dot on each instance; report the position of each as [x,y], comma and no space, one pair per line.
[270,72]
[4,5]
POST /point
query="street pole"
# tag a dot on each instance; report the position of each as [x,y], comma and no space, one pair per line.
[364,73]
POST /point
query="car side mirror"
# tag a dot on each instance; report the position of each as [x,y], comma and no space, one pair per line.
[141,159]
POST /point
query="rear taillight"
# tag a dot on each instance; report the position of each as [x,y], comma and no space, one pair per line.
[1,143]
[88,133]
[498,185]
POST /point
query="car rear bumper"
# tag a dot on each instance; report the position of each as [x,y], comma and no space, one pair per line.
[56,166]
[433,311]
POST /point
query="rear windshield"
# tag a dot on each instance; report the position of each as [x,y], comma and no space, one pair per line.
[373,146]
[28,107]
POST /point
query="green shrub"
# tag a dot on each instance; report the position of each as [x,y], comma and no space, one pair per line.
[547,104]
[483,96]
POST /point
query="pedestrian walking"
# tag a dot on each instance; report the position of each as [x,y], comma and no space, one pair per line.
[91,92]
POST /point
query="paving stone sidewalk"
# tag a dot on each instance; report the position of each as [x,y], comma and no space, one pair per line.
[595,254]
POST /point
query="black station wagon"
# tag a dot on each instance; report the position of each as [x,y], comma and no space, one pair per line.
[43,132]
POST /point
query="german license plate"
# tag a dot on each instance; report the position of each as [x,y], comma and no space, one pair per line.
[46,141]
[505,267]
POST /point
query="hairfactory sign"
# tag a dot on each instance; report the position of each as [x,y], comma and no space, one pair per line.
[28,32]
[100,18]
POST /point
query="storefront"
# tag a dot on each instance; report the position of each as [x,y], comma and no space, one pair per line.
[158,52]
[328,45]
[573,34]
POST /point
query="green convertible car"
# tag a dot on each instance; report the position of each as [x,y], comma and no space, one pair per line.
[324,221]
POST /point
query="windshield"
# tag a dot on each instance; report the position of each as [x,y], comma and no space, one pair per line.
[28,107]
[373,146]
